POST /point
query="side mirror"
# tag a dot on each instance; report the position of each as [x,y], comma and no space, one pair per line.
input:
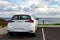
[37,18]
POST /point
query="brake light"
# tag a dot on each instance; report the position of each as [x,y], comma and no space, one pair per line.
[10,21]
[30,31]
[30,21]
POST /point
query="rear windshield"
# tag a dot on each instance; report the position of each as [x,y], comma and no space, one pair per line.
[21,17]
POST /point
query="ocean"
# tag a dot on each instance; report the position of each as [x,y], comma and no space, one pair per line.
[49,20]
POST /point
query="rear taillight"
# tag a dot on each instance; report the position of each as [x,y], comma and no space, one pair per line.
[30,31]
[31,21]
[10,21]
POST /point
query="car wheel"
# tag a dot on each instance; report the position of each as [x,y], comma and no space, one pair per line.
[10,33]
[33,34]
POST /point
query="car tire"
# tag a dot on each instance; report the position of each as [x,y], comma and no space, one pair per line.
[33,34]
[10,33]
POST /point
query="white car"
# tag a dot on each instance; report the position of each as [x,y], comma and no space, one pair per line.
[22,23]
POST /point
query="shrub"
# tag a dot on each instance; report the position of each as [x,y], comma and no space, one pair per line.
[3,23]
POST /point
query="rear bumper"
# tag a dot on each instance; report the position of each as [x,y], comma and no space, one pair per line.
[29,31]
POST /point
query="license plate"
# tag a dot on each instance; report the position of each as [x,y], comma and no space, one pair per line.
[19,21]
[19,28]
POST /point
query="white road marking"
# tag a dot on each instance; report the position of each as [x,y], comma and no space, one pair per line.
[43,34]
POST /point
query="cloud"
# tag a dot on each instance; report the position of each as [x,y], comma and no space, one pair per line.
[8,7]
[57,10]
[44,7]
[57,1]
[43,4]
[22,2]
[50,3]
[13,8]
[4,2]
[48,6]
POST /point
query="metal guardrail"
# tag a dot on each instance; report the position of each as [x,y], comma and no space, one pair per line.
[48,20]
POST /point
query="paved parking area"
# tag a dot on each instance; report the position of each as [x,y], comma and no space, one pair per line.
[25,36]
[52,33]
[48,33]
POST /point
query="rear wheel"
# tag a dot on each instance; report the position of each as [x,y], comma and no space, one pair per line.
[10,33]
[33,34]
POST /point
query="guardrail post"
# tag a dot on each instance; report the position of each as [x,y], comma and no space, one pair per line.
[43,22]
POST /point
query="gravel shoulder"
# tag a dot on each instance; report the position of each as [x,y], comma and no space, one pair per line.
[3,31]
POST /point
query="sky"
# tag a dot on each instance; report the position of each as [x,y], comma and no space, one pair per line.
[38,7]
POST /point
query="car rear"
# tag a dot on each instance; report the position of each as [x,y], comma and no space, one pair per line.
[21,23]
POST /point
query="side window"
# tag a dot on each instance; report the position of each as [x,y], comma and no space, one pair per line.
[15,17]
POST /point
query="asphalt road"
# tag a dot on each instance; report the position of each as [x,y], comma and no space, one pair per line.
[52,33]
[25,36]
[48,33]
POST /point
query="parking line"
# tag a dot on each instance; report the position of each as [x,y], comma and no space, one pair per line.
[43,33]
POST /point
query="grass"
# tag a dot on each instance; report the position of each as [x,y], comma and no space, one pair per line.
[49,25]
[56,24]
[3,23]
